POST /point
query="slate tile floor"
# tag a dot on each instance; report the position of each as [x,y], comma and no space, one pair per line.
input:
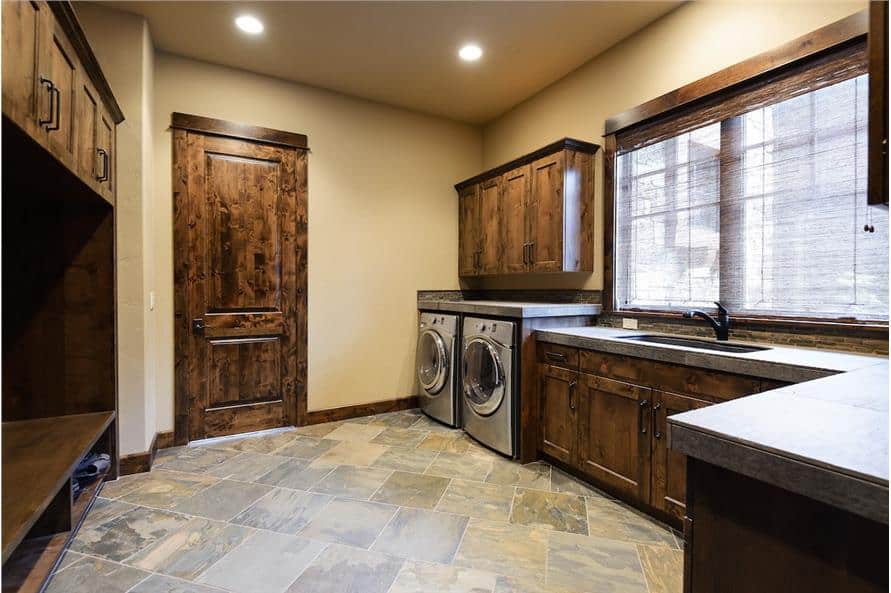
[394,503]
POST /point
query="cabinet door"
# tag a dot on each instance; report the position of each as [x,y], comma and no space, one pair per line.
[669,467]
[105,146]
[559,430]
[60,67]
[614,447]
[546,214]
[877,41]
[468,230]
[88,162]
[490,201]
[24,26]
[515,199]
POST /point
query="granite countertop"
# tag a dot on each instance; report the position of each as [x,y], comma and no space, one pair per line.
[519,310]
[825,437]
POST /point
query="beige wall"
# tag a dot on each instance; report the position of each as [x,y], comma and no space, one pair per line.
[122,45]
[382,220]
[692,41]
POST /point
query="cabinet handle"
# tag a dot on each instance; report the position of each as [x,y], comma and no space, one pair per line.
[572,385]
[56,119]
[52,97]
[643,425]
[532,253]
[555,356]
[656,433]
[104,177]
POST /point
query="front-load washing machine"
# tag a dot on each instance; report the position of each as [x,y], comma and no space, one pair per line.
[489,396]
[437,364]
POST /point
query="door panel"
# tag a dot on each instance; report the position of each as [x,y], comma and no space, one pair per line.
[490,238]
[88,161]
[240,284]
[24,25]
[614,427]
[559,433]
[515,198]
[546,214]
[61,69]
[670,467]
[468,230]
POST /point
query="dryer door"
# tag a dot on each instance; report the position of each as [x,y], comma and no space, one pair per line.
[432,360]
[483,376]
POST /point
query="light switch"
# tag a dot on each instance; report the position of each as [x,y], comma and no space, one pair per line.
[629,323]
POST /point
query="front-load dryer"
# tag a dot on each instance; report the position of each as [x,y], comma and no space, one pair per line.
[488,403]
[436,361]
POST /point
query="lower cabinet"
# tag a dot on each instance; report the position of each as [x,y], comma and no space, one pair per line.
[557,393]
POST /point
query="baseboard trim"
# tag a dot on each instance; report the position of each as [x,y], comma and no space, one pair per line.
[347,412]
[136,463]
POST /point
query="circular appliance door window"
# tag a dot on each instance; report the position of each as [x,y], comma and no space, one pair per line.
[431,360]
[483,377]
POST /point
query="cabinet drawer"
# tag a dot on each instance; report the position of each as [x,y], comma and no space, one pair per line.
[615,366]
[558,355]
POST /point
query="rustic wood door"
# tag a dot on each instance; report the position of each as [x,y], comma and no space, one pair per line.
[546,214]
[670,467]
[614,429]
[514,201]
[469,231]
[559,432]
[240,235]
[490,237]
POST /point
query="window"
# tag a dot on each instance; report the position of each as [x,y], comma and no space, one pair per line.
[757,200]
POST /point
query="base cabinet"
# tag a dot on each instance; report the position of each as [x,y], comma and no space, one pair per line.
[558,413]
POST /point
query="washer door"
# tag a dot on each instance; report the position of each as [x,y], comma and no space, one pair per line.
[483,377]
[432,360]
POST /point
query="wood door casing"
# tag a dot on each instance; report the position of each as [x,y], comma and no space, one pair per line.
[490,236]
[614,446]
[669,467]
[240,236]
[546,214]
[559,432]
[514,233]
[469,230]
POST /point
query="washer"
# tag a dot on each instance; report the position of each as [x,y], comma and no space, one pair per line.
[488,363]
[437,366]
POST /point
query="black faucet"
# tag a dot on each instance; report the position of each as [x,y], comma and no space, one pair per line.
[721,325]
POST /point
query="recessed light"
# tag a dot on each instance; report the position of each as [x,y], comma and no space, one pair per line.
[470,52]
[249,24]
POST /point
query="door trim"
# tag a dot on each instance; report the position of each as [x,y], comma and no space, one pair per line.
[294,398]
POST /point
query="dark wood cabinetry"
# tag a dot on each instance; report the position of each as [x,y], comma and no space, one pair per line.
[535,214]
[877,42]
[604,416]
[59,361]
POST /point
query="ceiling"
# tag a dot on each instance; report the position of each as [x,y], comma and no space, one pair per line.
[404,53]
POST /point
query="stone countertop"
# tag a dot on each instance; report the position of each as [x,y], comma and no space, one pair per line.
[825,437]
[518,310]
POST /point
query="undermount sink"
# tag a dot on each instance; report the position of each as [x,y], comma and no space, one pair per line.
[695,343]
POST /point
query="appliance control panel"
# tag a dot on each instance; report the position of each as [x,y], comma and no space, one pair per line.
[499,330]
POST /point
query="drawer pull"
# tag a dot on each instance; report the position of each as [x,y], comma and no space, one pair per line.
[555,356]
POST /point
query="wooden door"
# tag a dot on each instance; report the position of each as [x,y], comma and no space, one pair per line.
[240,253]
[669,467]
[469,230]
[490,238]
[24,28]
[515,199]
[546,214]
[105,151]
[89,162]
[60,67]
[559,431]
[614,429]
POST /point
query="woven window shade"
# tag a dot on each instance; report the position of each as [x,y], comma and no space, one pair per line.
[757,200]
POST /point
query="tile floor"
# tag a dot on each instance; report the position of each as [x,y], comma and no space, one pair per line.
[394,503]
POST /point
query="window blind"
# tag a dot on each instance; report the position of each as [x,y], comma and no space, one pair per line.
[757,200]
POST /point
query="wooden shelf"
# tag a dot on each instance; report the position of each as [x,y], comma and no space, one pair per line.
[39,457]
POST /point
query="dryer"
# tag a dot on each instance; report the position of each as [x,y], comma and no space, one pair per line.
[436,361]
[489,395]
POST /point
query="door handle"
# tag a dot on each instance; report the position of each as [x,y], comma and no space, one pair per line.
[656,433]
[198,326]
[52,97]
[640,418]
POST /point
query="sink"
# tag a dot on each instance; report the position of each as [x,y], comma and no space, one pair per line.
[695,343]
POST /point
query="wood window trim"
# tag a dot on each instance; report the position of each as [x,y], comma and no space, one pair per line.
[846,32]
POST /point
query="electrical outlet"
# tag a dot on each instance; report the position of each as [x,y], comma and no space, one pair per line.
[629,323]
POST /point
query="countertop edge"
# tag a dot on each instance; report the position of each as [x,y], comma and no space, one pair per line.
[518,310]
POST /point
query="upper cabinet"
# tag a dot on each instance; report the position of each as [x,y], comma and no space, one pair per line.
[54,90]
[533,214]
[877,41]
